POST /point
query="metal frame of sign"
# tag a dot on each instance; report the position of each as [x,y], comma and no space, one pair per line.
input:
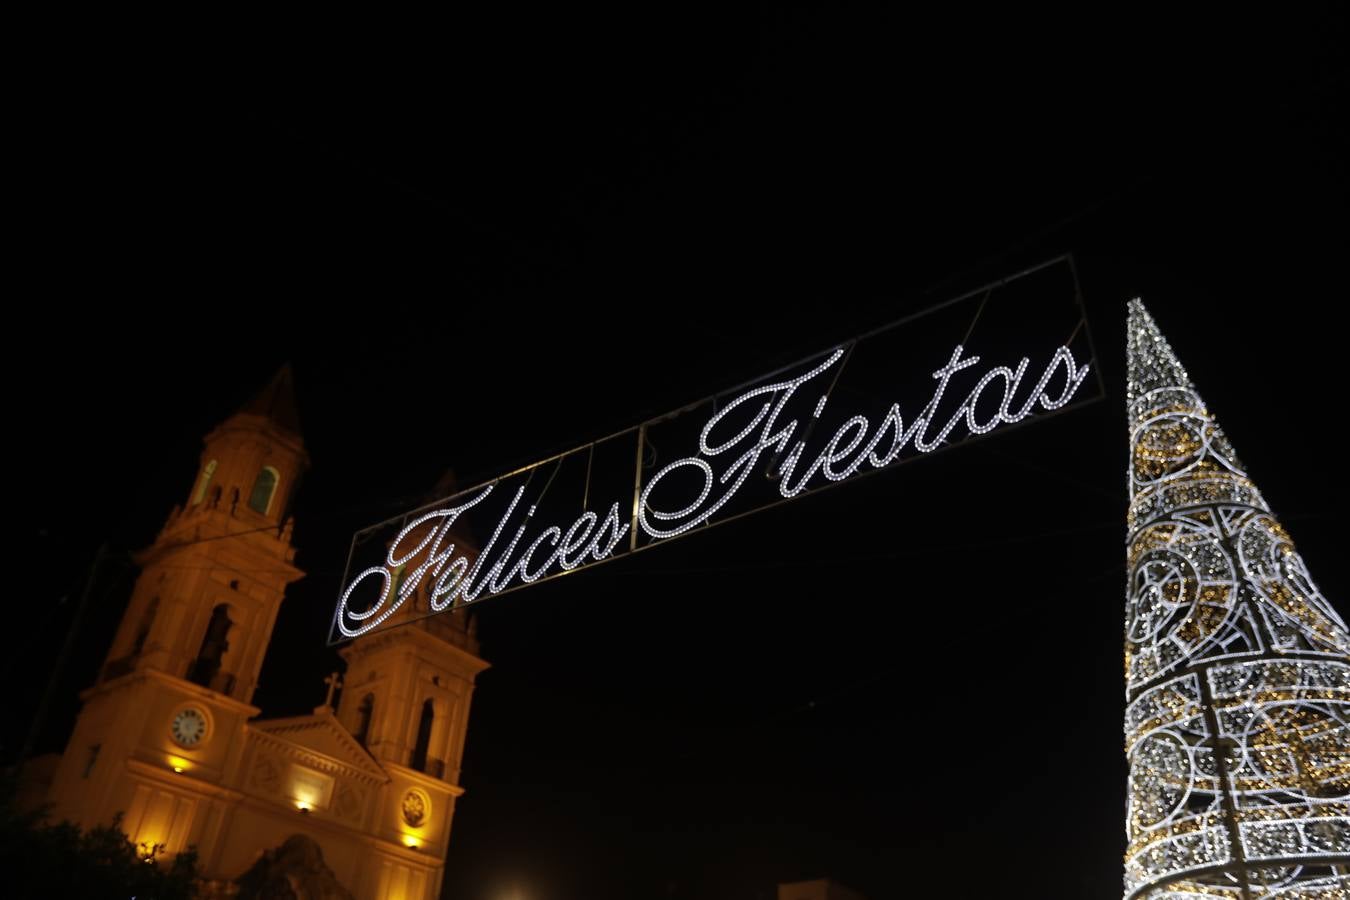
[421,573]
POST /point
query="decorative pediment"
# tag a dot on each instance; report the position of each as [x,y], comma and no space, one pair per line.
[319,741]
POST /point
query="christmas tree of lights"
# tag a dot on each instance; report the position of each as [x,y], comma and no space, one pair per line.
[1237,669]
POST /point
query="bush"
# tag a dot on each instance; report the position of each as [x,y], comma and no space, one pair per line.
[41,860]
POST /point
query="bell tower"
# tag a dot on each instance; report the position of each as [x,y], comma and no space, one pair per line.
[407,692]
[406,701]
[161,729]
[212,583]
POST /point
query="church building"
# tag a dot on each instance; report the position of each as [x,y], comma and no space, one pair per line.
[168,737]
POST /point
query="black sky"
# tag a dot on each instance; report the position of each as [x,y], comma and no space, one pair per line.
[485,241]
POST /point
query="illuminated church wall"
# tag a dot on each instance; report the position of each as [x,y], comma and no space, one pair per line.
[167,735]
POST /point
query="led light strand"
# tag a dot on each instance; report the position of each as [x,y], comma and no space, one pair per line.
[1217,591]
[423,551]
[850,435]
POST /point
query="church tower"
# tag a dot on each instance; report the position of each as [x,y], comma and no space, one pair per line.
[406,701]
[161,729]
[1237,669]
[406,697]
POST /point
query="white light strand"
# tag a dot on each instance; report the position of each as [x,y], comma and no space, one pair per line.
[845,440]
[394,561]
[764,435]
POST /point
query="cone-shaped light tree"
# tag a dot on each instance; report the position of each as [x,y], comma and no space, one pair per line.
[1237,670]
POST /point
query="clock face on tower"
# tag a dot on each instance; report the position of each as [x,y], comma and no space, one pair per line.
[189,727]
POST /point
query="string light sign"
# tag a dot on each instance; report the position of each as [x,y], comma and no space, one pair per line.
[1008,352]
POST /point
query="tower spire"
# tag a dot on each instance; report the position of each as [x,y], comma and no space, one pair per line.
[1237,669]
[276,402]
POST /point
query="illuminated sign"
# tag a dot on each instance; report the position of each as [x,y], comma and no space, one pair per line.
[873,402]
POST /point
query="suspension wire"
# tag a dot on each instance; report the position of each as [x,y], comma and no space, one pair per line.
[979,311]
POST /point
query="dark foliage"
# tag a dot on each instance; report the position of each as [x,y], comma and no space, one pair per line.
[40,859]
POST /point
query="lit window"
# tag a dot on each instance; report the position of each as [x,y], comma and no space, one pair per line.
[202,483]
[263,489]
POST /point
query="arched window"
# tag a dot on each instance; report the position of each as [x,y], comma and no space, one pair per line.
[419,754]
[363,714]
[143,632]
[214,644]
[202,483]
[263,489]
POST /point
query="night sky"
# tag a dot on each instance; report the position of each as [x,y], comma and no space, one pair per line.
[510,236]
